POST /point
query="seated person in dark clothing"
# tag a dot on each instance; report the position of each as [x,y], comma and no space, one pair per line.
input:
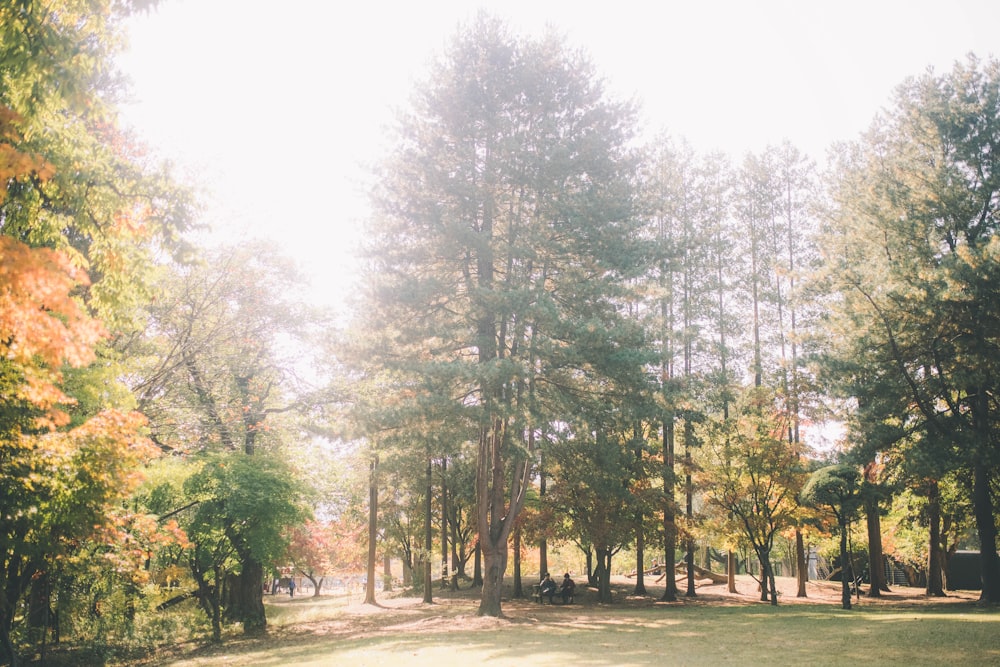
[566,589]
[548,587]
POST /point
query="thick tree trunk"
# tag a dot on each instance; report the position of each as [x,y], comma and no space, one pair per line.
[640,557]
[246,597]
[496,513]
[731,571]
[494,565]
[767,578]
[876,558]
[764,562]
[935,586]
[986,527]
[603,575]
[477,567]
[244,592]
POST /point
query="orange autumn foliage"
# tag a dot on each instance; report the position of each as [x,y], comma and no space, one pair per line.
[42,326]
[16,164]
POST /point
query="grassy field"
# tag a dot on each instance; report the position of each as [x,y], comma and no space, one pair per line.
[712,630]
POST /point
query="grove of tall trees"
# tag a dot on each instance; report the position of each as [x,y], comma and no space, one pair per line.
[566,337]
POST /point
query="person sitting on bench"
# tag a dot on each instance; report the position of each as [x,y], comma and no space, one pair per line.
[548,587]
[566,589]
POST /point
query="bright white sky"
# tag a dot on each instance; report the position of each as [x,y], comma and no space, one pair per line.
[276,108]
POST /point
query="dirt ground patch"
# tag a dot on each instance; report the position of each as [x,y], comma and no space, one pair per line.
[456,610]
[321,621]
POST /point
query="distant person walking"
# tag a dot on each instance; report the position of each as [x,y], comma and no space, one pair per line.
[291,588]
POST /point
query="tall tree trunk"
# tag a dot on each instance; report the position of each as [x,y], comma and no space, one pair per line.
[982,503]
[876,558]
[845,568]
[496,516]
[386,575]
[640,556]
[494,565]
[477,567]
[407,573]
[769,581]
[603,575]
[428,533]
[518,589]
[444,523]
[763,559]
[372,528]
[689,513]
[801,565]
[768,588]
[457,559]
[543,545]
[669,513]
[935,586]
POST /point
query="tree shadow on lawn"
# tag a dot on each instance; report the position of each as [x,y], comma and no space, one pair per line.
[710,629]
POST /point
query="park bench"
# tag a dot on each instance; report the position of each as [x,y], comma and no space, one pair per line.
[536,594]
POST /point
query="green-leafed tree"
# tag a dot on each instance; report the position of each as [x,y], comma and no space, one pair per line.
[837,488]
[238,510]
[913,255]
[216,375]
[501,229]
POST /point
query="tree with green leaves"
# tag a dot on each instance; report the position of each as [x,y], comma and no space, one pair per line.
[912,254]
[235,511]
[837,488]
[216,376]
[502,227]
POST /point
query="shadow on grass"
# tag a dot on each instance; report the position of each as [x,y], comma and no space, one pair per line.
[653,635]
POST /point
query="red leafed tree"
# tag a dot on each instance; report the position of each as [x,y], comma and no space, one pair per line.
[310,552]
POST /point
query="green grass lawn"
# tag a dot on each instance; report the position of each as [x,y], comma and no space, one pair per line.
[326,631]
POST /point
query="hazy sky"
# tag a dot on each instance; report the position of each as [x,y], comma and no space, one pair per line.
[276,108]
